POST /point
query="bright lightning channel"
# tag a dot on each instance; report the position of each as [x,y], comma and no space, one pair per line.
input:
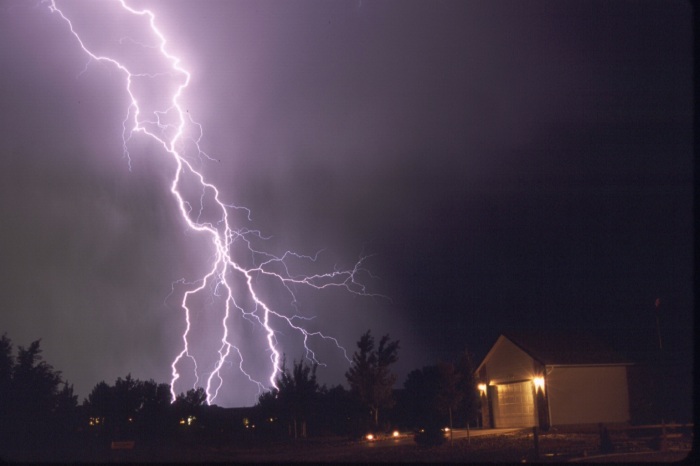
[169,127]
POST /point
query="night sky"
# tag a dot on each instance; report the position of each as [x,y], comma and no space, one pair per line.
[506,164]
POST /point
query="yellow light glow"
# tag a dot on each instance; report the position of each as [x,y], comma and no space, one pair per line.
[482,388]
[395,433]
[539,383]
[369,437]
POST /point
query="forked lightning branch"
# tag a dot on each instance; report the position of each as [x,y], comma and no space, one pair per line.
[231,282]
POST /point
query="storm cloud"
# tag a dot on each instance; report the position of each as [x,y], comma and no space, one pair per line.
[504,164]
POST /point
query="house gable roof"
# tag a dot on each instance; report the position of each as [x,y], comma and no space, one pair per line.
[565,348]
[559,348]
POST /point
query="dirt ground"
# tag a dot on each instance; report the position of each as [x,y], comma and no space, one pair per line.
[512,447]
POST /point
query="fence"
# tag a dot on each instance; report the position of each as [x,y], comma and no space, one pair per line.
[655,436]
[620,438]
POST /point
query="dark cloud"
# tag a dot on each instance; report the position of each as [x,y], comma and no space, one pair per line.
[508,165]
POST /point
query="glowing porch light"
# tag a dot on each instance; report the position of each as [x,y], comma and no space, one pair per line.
[539,383]
[482,388]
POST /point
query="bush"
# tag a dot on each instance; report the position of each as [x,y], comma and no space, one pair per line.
[430,436]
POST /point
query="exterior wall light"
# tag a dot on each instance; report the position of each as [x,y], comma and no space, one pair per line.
[482,388]
[538,382]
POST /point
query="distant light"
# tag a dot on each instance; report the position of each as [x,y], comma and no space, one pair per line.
[369,437]
[94,421]
[482,388]
[445,429]
[395,433]
[539,383]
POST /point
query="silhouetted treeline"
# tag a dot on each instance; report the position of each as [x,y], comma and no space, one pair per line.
[36,404]
[134,409]
[299,407]
[40,413]
[40,418]
[433,397]
[441,395]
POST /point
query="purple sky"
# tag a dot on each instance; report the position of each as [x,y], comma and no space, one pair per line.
[509,164]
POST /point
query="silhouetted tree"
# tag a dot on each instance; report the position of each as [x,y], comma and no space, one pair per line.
[6,394]
[449,395]
[188,405]
[421,387]
[7,364]
[65,410]
[36,382]
[268,404]
[293,399]
[192,398]
[431,394]
[335,410]
[369,376]
[468,406]
[33,406]
[133,408]
[155,414]
[116,408]
[99,403]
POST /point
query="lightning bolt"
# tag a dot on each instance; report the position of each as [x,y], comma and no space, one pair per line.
[233,279]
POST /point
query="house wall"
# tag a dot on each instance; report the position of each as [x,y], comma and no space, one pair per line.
[508,363]
[587,394]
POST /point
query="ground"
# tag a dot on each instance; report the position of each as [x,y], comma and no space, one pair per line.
[514,446]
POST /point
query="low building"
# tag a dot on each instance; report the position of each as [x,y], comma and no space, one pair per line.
[552,379]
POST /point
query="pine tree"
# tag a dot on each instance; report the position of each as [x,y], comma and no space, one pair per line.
[369,376]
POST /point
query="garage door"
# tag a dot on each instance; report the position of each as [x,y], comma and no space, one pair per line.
[513,405]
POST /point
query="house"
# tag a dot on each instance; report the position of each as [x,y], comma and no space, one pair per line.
[552,379]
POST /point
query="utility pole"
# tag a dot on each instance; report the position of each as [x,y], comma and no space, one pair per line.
[452,443]
[657,303]
[662,439]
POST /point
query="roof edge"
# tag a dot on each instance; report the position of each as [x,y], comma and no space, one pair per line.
[523,349]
